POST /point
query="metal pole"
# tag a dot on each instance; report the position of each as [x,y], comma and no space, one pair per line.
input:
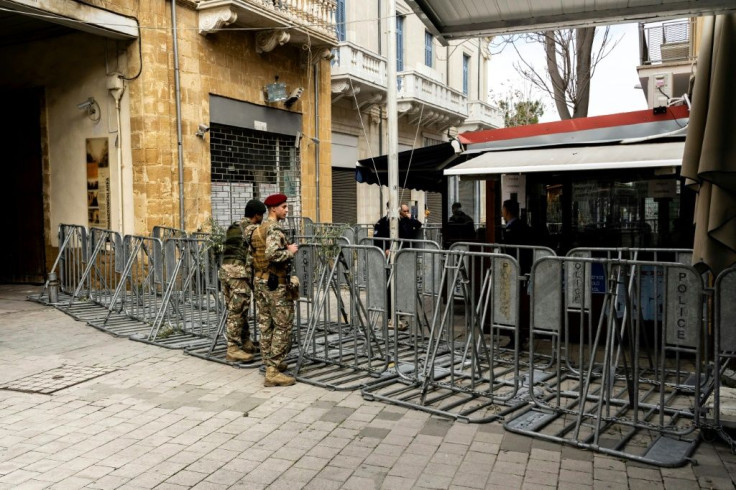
[178,115]
[316,137]
[393,123]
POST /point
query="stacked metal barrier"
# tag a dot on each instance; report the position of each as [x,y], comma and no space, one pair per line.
[719,415]
[454,368]
[68,265]
[344,344]
[622,394]
[617,361]
[190,309]
[100,276]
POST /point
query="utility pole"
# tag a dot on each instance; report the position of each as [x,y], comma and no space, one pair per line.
[393,124]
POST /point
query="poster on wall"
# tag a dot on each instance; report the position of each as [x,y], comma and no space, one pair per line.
[98,183]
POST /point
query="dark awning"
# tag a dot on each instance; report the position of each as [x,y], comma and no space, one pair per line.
[424,165]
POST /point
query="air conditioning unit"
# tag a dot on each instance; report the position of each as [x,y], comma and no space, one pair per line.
[675,51]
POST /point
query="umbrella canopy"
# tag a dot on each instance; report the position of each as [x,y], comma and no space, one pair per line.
[709,158]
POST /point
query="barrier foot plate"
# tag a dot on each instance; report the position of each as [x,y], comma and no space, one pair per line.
[667,451]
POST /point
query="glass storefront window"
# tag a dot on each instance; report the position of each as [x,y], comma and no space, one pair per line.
[610,213]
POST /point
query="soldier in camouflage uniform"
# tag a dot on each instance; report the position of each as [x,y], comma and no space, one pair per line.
[272,256]
[237,279]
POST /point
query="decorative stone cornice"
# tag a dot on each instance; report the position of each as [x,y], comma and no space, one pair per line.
[214,19]
[267,41]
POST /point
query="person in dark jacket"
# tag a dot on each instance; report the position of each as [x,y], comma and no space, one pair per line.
[408,230]
[517,232]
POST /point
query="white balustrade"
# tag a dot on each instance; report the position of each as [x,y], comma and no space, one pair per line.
[413,85]
[354,61]
[482,112]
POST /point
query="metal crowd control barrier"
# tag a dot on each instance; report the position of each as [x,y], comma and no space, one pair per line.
[68,264]
[454,369]
[718,415]
[298,226]
[165,232]
[329,230]
[100,276]
[644,286]
[344,345]
[190,309]
[216,350]
[431,232]
[616,399]
[137,298]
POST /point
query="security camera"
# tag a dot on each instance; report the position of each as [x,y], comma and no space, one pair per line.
[201,130]
[86,105]
[293,97]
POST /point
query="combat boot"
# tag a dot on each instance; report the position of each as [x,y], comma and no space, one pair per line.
[275,378]
[249,346]
[234,353]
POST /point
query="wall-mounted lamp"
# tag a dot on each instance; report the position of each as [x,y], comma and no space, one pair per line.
[92,108]
[201,131]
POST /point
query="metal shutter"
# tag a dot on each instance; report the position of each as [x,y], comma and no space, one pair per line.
[434,203]
[344,196]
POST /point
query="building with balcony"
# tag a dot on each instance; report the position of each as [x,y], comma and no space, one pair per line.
[441,90]
[126,115]
[667,55]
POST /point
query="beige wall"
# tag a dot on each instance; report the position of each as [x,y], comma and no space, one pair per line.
[75,66]
[225,64]
[71,69]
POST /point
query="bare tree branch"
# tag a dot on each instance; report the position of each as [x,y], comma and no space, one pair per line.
[571,57]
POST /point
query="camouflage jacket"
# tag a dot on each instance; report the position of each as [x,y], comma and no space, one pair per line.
[276,251]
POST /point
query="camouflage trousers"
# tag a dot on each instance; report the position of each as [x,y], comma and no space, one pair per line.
[275,320]
[237,294]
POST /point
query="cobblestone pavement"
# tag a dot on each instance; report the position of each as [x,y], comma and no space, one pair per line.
[123,414]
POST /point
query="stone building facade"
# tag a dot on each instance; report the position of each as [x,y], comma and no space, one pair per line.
[441,91]
[99,143]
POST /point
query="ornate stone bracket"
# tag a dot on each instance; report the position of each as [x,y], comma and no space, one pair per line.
[366,104]
[267,41]
[214,19]
[342,89]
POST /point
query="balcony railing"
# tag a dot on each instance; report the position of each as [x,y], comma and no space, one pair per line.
[357,62]
[310,17]
[484,114]
[665,42]
[413,85]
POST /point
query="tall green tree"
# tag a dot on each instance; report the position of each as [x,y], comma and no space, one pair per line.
[518,107]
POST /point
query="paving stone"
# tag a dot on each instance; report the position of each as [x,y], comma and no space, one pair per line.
[649,474]
[578,477]
[335,473]
[186,478]
[517,443]
[396,482]
[635,484]
[337,414]
[374,432]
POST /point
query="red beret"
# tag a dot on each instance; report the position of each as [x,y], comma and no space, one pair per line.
[275,200]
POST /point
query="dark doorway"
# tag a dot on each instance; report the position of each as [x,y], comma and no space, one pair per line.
[22,253]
